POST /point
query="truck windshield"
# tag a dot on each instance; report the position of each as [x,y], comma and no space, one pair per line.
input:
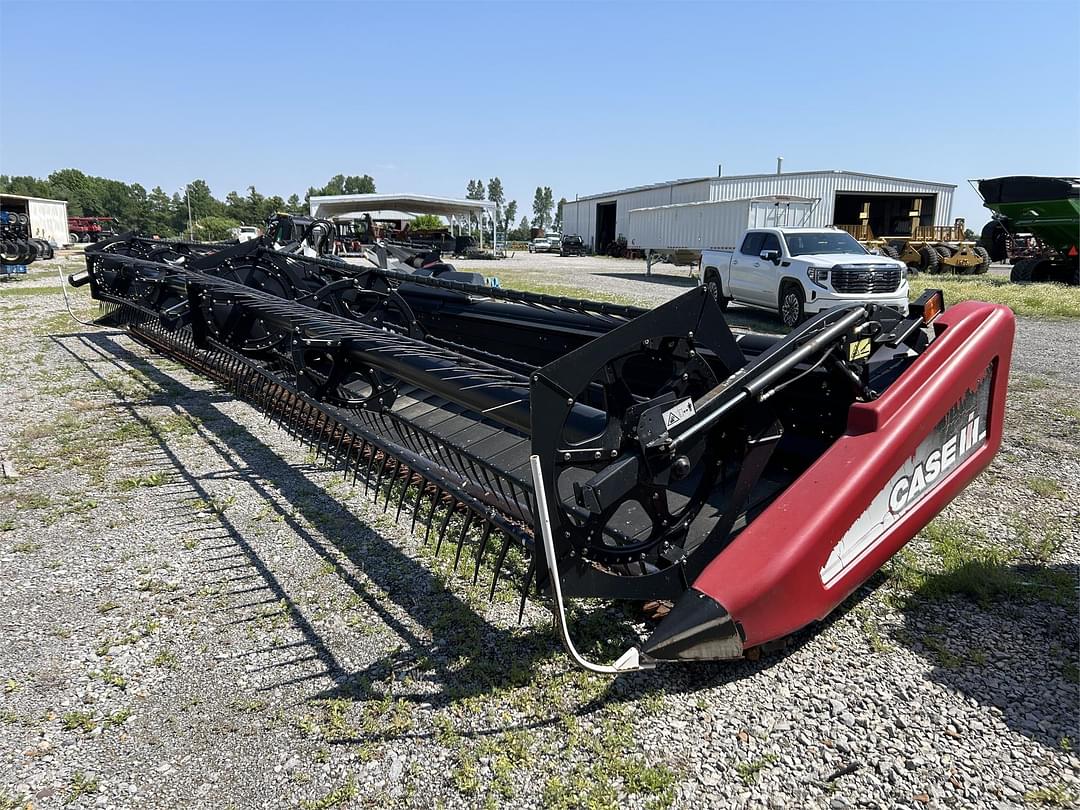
[801,244]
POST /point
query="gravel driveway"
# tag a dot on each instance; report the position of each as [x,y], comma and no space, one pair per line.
[194,613]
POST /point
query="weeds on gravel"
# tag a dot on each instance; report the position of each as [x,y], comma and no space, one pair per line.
[606,766]
[112,677]
[749,770]
[335,798]
[1046,487]
[1057,795]
[81,785]
[965,564]
[78,721]
[154,479]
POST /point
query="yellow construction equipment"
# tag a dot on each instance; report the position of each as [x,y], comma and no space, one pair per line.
[928,248]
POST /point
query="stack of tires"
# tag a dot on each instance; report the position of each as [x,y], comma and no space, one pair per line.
[17,247]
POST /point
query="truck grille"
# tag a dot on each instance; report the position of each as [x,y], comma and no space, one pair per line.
[866,280]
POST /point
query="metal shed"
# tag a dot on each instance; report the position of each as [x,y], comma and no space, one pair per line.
[456,211]
[48,218]
[600,218]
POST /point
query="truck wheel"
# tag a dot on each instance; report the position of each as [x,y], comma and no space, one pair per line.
[890,251]
[73,238]
[930,259]
[792,308]
[984,263]
[712,284]
[944,251]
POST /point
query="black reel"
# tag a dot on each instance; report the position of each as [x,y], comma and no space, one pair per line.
[621,510]
[327,373]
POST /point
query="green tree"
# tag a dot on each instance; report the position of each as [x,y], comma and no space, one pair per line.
[75,187]
[26,186]
[542,204]
[293,205]
[475,190]
[496,195]
[510,215]
[202,201]
[159,214]
[213,229]
[427,222]
[559,214]
[521,232]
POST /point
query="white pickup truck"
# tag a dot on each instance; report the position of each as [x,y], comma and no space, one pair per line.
[800,271]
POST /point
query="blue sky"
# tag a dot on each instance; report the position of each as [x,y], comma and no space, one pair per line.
[582,97]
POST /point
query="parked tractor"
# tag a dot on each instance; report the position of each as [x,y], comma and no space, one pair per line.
[1036,226]
[926,248]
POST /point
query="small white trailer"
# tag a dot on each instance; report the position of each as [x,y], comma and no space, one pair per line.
[678,233]
[48,218]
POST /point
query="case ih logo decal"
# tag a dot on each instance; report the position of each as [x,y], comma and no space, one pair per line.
[952,441]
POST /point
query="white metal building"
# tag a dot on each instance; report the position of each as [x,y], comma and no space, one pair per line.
[600,218]
[48,218]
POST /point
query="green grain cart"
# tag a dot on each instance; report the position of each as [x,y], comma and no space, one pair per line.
[1036,226]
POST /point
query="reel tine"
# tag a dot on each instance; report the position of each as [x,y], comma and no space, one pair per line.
[480,548]
[378,480]
[498,562]
[461,535]
[525,588]
[389,485]
[431,517]
[359,460]
[337,450]
[416,503]
[367,472]
[409,475]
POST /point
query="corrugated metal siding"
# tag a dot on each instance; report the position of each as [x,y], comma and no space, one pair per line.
[704,225]
[48,220]
[820,185]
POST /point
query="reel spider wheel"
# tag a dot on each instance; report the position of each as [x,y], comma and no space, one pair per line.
[622,510]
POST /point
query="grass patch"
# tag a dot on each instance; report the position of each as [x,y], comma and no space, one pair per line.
[13,292]
[1052,796]
[1046,487]
[78,721]
[154,479]
[748,771]
[1046,300]
[81,785]
[965,564]
[335,798]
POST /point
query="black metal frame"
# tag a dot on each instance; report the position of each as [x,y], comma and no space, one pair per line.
[657,419]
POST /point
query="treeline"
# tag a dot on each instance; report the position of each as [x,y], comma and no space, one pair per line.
[506,212]
[158,212]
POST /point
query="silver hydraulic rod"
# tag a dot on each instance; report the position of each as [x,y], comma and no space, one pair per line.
[713,405]
[629,661]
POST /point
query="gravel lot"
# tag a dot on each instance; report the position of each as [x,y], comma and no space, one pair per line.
[194,613]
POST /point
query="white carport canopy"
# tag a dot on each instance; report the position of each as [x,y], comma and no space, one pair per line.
[342,204]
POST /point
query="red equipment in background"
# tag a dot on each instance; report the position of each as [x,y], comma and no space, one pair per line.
[90,229]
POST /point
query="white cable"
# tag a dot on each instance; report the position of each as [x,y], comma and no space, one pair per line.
[67,301]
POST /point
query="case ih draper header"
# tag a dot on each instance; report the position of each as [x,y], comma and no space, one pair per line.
[751,481]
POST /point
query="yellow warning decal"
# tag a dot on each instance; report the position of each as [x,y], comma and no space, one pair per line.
[859,349]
